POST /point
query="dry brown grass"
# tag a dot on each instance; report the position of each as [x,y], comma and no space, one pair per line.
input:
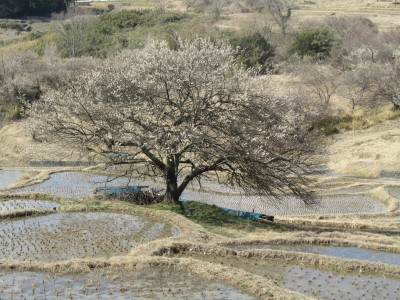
[355,241]
[322,262]
[24,213]
[366,152]
[375,226]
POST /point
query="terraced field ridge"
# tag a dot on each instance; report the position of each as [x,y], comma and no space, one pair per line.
[313,282]
[150,283]
[88,234]
[23,204]
[342,252]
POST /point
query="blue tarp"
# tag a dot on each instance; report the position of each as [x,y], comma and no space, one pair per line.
[244,214]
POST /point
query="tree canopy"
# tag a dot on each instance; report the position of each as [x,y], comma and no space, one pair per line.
[20,8]
[316,42]
[183,114]
[255,51]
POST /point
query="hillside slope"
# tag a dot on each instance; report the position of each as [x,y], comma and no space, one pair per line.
[367,152]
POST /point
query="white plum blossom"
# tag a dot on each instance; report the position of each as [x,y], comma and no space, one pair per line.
[182,114]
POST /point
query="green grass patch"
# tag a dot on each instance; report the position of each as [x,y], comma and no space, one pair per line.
[214,218]
[129,19]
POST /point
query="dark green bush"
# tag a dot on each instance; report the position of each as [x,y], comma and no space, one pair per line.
[21,8]
[254,51]
[128,19]
[316,42]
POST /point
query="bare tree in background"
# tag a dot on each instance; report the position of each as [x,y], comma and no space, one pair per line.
[72,28]
[322,81]
[389,82]
[280,10]
[216,7]
[183,114]
[362,81]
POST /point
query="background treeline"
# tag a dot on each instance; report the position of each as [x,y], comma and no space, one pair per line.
[21,8]
[344,66]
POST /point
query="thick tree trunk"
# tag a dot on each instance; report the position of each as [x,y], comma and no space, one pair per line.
[172,192]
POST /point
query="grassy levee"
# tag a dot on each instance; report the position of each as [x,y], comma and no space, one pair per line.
[24,213]
[217,220]
[322,262]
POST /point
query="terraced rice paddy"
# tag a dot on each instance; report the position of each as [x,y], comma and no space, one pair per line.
[63,236]
[350,189]
[74,184]
[68,235]
[8,177]
[313,282]
[22,204]
[342,252]
[343,204]
[394,192]
[150,283]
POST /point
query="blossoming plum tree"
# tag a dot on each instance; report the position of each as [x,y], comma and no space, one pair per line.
[183,114]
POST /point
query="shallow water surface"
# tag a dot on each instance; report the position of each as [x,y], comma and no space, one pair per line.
[74,184]
[340,204]
[342,252]
[63,236]
[150,283]
[8,177]
[313,282]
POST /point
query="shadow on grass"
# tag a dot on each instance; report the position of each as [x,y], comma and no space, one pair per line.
[213,216]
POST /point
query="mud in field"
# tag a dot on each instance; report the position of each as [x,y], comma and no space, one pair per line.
[22,204]
[63,236]
[150,283]
[342,252]
[313,282]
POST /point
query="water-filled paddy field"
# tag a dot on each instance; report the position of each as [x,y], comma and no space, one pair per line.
[67,235]
[22,204]
[313,282]
[341,204]
[342,252]
[75,184]
[63,236]
[149,283]
[8,177]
